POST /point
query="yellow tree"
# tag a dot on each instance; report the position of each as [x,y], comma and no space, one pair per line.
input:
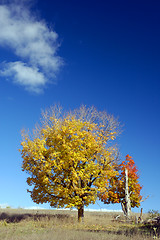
[68,155]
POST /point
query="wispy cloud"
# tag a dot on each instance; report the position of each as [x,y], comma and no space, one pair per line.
[34,207]
[3,205]
[33,42]
[28,76]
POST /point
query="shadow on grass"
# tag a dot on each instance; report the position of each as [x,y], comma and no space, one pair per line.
[129,233]
[126,232]
[151,229]
[143,230]
[15,218]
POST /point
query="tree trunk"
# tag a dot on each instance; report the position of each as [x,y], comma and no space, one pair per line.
[81,213]
[127,196]
[140,217]
[123,205]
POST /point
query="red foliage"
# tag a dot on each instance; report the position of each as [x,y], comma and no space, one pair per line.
[116,190]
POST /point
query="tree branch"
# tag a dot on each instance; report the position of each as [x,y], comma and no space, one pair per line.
[144,199]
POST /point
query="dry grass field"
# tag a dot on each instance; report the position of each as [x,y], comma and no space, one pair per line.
[20,224]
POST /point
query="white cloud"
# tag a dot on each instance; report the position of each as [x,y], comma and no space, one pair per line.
[102,210]
[34,208]
[3,205]
[26,76]
[33,42]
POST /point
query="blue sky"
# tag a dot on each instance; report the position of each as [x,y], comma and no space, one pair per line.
[101,53]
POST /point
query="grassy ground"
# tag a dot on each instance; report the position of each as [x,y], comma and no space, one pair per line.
[22,224]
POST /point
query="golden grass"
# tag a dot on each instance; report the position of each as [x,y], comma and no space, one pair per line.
[19,224]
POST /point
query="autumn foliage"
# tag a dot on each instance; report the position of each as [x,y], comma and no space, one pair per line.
[116,191]
[68,156]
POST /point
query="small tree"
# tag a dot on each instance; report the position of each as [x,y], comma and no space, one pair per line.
[117,192]
[68,157]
